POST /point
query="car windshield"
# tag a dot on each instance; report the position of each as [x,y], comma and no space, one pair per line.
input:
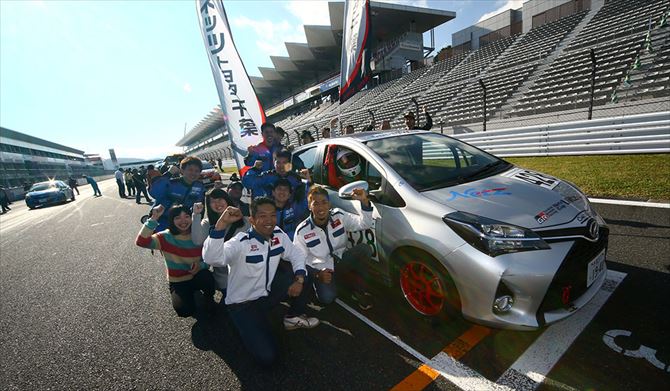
[432,161]
[42,186]
[206,166]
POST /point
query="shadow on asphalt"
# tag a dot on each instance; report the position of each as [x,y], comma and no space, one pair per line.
[635,224]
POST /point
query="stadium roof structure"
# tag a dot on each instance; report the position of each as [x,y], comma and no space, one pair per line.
[309,63]
[207,127]
[18,136]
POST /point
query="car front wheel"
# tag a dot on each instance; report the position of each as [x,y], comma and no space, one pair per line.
[426,285]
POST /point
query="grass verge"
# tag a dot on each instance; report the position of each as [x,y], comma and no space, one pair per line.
[638,177]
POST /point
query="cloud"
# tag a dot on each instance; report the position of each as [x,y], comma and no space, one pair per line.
[310,12]
[272,35]
[510,4]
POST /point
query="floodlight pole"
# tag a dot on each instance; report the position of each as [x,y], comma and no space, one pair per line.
[316,131]
[481,83]
[593,82]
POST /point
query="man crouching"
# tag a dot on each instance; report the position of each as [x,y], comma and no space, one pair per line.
[255,285]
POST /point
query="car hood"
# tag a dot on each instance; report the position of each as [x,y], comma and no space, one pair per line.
[517,196]
[42,192]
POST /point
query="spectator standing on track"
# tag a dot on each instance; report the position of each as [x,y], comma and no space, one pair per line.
[120,182]
[410,121]
[94,185]
[255,283]
[264,151]
[185,190]
[216,202]
[235,193]
[151,174]
[323,236]
[130,186]
[4,200]
[325,132]
[72,182]
[261,183]
[187,273]
[291,210]
[220,164]
[140,186]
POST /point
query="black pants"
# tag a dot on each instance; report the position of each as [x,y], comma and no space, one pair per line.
[74,188]
[141,190]
[131,188]
[251,317]
[183,301]
[122,188]
[5,205]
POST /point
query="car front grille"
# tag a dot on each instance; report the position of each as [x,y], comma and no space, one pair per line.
[569,282]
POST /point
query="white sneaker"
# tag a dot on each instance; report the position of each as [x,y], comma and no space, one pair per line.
[300,322]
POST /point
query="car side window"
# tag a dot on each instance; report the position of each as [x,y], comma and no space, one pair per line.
[305,159]
[333,176]
[374,177]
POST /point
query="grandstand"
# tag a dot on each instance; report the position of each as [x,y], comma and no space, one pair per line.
[539,73]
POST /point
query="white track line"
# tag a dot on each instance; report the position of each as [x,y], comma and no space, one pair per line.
[630,203]
[456,372]
[532,367]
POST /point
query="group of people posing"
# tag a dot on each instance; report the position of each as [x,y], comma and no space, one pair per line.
[135,182]
[287,245]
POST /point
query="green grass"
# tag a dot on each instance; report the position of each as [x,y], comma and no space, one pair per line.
[639,177]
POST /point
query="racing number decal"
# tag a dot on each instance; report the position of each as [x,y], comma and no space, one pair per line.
[367,236]
[534,178]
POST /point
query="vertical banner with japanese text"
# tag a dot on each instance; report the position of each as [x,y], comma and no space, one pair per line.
[355,64]
[241,108]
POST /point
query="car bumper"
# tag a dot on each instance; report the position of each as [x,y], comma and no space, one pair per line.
[547,285]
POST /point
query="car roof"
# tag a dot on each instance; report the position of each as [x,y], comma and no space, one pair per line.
[363,137]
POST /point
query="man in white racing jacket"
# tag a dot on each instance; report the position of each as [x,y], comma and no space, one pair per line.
[323,236]
[255,285]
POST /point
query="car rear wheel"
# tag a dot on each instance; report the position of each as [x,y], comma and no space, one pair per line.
[426,285]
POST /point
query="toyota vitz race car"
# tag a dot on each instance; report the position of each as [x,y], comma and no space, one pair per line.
[458,229]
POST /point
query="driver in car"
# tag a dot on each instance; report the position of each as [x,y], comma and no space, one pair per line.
[346,168]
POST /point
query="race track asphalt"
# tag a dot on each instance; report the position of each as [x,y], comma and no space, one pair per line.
[82,307]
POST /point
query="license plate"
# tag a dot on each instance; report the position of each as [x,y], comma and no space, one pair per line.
[596,268]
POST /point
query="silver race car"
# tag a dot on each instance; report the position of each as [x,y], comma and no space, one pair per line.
[460,230]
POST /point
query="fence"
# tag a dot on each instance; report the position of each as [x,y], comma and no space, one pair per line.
[643,133]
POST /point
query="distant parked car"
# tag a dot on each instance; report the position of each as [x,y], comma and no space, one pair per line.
[209,174]
[46,193]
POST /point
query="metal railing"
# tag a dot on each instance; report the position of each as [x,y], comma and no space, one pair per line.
[644,133]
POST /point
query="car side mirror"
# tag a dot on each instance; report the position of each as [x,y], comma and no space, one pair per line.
[347,191]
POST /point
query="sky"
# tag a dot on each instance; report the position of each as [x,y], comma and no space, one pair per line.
[134,75]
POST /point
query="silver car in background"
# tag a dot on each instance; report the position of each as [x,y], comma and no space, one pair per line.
[460,230]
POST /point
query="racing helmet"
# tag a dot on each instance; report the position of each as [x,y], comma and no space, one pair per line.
[348,162]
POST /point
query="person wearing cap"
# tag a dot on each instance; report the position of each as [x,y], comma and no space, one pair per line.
[234,190]
[306,137]
[410,120]
[291,210]
[261,183]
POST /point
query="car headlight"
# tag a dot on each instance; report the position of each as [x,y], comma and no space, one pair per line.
[493,237]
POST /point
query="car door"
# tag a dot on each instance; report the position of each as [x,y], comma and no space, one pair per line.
[373,175]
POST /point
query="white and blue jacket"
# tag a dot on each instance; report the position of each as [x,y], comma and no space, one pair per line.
[253,261]
[320,245]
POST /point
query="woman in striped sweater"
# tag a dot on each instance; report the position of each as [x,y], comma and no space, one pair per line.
[186,271]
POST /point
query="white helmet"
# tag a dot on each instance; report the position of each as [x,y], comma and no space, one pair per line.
[348,162]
